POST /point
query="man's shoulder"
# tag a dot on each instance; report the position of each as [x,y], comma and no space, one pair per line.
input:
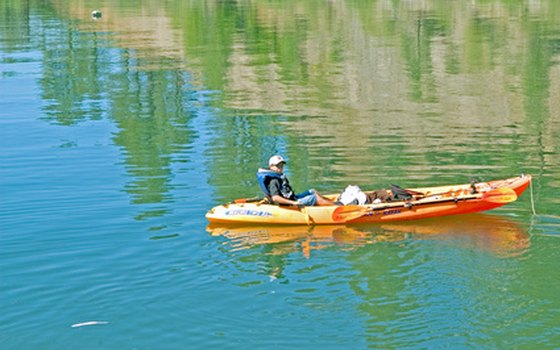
[273,180]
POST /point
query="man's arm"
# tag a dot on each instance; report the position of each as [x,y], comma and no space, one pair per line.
[281,200]
[274,189]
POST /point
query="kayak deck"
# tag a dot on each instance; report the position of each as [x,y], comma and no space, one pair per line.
[429,202]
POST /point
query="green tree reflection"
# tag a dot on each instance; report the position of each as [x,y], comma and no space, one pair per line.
[149,109]
[85,79]
[271,68]
[14,28]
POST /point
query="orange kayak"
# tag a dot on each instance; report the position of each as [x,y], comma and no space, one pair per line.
[425,202]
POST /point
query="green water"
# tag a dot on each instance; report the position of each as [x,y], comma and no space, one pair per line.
[118,134]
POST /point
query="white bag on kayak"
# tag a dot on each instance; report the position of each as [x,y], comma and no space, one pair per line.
[352,195]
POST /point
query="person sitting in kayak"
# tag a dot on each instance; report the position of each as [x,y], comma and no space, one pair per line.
[277,188]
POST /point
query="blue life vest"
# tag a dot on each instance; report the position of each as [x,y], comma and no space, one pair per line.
[264,176]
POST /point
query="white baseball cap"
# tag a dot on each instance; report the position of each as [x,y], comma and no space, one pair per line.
[275,160]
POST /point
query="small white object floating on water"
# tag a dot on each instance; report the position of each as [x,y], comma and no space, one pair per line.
[89,323]
[96,14]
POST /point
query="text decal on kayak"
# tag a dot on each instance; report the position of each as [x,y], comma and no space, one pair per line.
[392,212]
[249,212]
[385,212]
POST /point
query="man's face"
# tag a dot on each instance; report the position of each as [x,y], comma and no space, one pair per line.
[278,167]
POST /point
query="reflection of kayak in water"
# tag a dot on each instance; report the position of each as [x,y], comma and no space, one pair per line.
[422,203]
[493,233]
[309,237]
[485,232]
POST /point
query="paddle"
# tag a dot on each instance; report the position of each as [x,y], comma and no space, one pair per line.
[500,195]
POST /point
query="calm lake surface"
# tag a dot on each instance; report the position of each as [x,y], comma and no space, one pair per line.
[118,134]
